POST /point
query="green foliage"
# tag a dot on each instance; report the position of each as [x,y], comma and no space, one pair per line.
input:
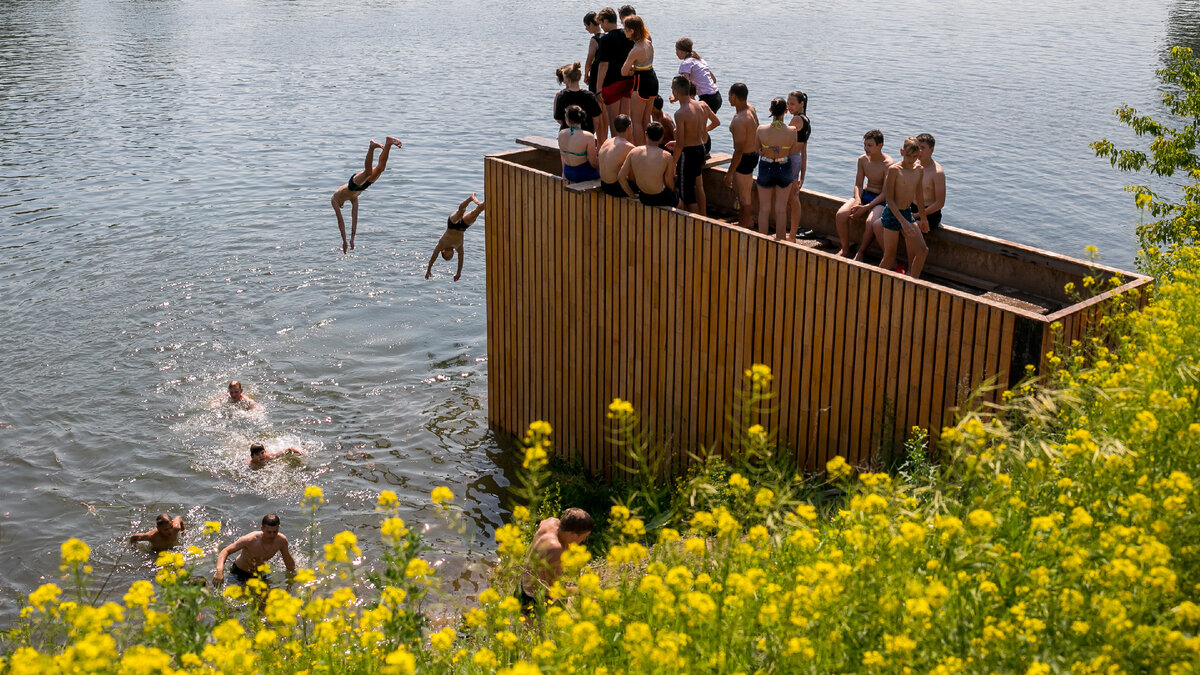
[1171,150]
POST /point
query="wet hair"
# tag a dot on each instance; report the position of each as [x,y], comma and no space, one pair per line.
[778,107]
[626,10]
[740,90]
[910,143]
[162,519]
[575,115]
[607,14]
[621,123]
[875,135]
[235,383]
[684,44]
[575,521]
[658,103]
[270,520]
[569,73]
[927,139]
[589,19]
[802,98]
[634,23]
[257,449]
[654,132]
[681,83]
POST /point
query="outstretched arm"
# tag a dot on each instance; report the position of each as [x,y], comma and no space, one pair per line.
[458,273]
[286,554]
[145,536]
[236,546]
[429,268]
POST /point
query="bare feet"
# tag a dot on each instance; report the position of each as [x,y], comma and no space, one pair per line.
[375,144]
[393,141]
[343,246]
[351,244]
[475,199]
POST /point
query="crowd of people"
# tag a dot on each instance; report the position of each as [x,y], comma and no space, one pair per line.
[613,129]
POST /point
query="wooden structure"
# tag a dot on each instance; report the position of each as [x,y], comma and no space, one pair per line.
[592,297]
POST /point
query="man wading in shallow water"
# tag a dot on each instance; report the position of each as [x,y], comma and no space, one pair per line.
[257,548]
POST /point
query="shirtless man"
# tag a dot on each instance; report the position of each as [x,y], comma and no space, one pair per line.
[452,238]
[236,397]
[259,455]
[668,125]
[868,194]
[165,533]
[612,157]
[744,129]
[902,189]
[553,537]
[653,169]
[257,548]
[357,183]
[689,153]
[934,183]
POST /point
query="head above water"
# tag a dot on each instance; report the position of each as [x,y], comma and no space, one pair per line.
[235,390]
[621,123]
[256,449]
[654,132]
[270,524]
[739,91]
[569,73]
[163,522]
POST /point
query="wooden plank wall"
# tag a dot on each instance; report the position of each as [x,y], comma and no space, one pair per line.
[591,297]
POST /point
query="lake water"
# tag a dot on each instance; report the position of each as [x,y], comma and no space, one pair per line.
[165,172]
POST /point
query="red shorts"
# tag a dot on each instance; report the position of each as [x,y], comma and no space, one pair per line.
[617,90]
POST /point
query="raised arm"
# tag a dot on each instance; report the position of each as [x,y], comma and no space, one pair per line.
[178,523]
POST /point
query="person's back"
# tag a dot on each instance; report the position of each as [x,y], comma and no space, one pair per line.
[653,169]
[554,535]
[613,153]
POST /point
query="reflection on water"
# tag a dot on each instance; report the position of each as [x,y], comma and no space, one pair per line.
[165,226]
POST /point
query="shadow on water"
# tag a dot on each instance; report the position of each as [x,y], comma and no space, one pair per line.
[1183,27]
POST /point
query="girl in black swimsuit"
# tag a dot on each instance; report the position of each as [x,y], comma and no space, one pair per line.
[797,102]
[640,64]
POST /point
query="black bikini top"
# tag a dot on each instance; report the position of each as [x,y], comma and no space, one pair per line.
[805,131]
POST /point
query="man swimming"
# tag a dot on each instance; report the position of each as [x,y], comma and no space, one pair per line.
[868,194]
[934,184]
[452,238]
[653,169]
[689,153]
[236,397]
[256,549]
[612,157]
[165,533]
[544,566]
[902,188]
[357,183]
[744,129]
[259,455]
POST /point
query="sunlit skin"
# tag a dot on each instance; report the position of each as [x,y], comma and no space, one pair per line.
[237,397]
[744,129]
[256,548]
[872,168]
[259,456]
[901,188]
[369,174]
[164,535]
[452,239]
[548,545]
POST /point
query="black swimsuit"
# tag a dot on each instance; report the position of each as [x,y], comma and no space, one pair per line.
[460,225]
[357,188]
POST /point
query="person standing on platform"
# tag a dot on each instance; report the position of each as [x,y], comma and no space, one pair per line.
[594,120]
[690,130]
[640,64]
[590,64]
[740,176]
[696,70]
[797,161]
[614,48]
[774,173]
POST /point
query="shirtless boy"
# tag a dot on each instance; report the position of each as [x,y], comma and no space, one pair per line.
[612,157]
[868,193]
[257,548]
[902,190]
[452,238]
[357,183]
[690,129]
[744,129]
[236,397]
[259,455]
[934,184]
[553,537]
[668,125]
[165,533]
[653,169]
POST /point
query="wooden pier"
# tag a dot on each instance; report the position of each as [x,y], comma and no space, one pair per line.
[592,297]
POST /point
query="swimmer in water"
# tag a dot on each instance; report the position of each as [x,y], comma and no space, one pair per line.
[452,238]
[259,455]
[357,183]
[257,548]
[236,397]
[165,533]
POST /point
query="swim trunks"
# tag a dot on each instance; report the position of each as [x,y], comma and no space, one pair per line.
[889,218]
[242,576]
[355,187]
[774,173]
[615,189]
[460,225]
[665,198]
[580,173]
[645,83]
[691,166]
[868,197]
[713,100]
[747,163]
[617,91]
[935,218]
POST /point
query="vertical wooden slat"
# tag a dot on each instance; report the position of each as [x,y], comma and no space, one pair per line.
[858,318]
[787,342]
[810,360]
[995,340]
[825,391]
[953,349]
[982,328]
[910,391]
[937,395]
[932,361]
